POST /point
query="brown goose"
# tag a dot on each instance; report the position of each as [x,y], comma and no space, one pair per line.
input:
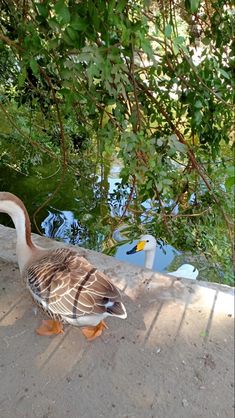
[66,286]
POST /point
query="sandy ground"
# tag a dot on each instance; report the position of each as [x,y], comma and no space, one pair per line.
[172,357]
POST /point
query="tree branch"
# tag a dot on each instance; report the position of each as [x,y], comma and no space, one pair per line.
[190,153]
[33,143]
[129,199]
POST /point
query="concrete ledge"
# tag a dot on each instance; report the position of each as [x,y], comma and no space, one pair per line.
[172,357]
[125,275]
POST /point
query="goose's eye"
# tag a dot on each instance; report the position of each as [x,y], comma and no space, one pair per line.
[147,240]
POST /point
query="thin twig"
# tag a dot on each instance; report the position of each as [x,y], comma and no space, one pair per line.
[129,199]
[162,208]
[189,215]
[138,125]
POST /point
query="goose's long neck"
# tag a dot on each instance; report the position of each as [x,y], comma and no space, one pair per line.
[149,258]
[24,245]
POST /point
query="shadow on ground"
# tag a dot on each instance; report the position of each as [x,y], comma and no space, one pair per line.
[172,357]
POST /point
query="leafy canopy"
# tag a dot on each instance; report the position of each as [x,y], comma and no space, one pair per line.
[148,82]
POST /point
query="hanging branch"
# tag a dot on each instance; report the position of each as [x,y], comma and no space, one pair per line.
[63,148]
[62,135]
[18,48]
[132,76]
[190,153]
[33,143]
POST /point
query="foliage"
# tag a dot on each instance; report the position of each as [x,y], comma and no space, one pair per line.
[148,82]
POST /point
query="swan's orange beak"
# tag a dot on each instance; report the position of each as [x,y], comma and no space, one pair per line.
[138,247]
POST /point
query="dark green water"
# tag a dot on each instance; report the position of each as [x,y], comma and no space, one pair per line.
[83,212]
[70,215]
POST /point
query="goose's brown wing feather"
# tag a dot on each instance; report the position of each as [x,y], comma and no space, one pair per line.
[69,285]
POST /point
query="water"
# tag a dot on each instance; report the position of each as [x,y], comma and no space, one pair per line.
[59,224]
[83,211]
[163,256]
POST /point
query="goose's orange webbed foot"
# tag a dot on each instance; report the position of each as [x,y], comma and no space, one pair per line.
[91,333]
[50,327]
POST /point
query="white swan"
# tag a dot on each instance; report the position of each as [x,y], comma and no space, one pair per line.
[148,244]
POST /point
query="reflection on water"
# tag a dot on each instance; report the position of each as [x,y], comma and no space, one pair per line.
[63,225]
[163,256]
[83,210]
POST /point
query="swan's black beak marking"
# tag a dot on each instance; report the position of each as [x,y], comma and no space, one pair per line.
[132,251]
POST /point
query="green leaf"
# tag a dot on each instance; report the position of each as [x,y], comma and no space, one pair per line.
[206,40]
[197,117]
[125,35]
[22,77]
[230,170]
[121,5]
[54,25]
[185,50]
[166,181]
[111,5]
[66,74]
[159,186]
[42,9]
[71,33]
[179,43]
[79,25]
[62,11]
[192,5]
[198,104]
[175,48]
[176,145]
[34,66]
[224,73]
[229,183]
[168,31]
[179,40]
[53,43]
[67,38]
[149,185]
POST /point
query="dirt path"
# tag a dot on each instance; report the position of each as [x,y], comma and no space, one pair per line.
[172,357]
